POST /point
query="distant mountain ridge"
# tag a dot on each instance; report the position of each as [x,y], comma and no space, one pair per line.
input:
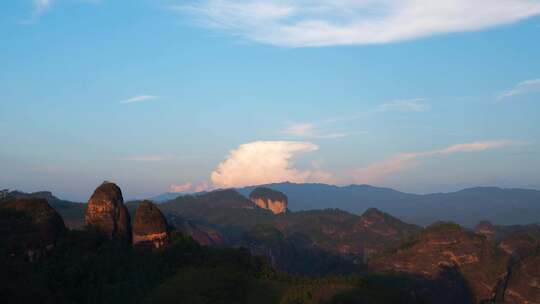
[466,207]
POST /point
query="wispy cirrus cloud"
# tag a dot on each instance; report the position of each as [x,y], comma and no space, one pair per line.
[139,98]
[311,130]
[41,6]
[414,105]
[319,130]
[158,157]
[146,158]
[300,129]
[524,87]
[379,170]
[346,22]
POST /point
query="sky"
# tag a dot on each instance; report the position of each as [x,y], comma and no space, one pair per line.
[164,95]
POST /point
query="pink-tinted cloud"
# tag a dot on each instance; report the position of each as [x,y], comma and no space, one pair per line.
[376,172]
[190,187]
[202,186]
[185,187]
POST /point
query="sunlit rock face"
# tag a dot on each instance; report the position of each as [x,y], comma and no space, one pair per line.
[150,226]
[34,227]
[107,213]
[269,199]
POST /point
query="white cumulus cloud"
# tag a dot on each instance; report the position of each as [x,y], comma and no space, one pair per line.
[262,162]
[308,23]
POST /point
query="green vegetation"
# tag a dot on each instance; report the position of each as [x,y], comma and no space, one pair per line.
[439,227]
[83,267]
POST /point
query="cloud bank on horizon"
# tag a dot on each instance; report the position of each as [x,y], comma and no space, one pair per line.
[265,162]
[319,23]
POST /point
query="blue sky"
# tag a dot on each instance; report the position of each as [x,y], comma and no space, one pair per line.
[191,95]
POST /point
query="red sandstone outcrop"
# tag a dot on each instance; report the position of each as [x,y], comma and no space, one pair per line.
[524,283]
[269,199]
[486,229]
[150,226]
[481,264]
[107,213]
[35,227]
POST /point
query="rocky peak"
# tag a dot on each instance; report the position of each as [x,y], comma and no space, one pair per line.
[383,224]
[374,216]
[485,228]
[269,199]
[150,226]
[34,226]
[107,213]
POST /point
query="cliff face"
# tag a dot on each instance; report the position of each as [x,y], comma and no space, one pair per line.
[204,235]
[107,213]
[524,283]
[445,246]
[269,199]
[34,227]
[150,226]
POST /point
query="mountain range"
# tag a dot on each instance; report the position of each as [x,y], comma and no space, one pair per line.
[466,207]
[302,256]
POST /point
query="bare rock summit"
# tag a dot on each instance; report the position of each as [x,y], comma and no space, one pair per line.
[107,213]
[269,199]
[150,226]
